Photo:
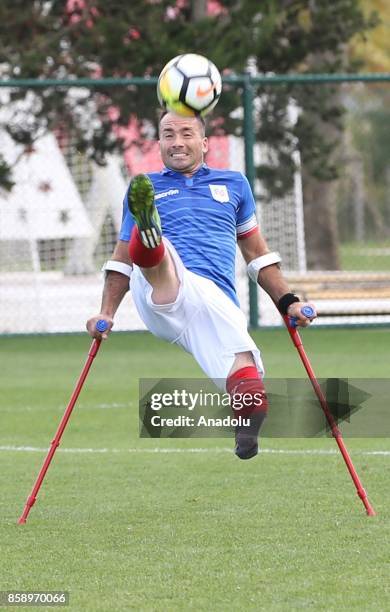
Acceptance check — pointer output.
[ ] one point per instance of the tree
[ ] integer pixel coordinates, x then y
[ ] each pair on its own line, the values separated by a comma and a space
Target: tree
96, 38
367, 135
372, 50
306, 36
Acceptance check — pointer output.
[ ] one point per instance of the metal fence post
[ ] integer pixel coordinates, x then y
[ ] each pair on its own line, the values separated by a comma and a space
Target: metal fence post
249, 141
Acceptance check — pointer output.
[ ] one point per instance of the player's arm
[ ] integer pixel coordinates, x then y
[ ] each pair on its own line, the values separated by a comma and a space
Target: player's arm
263, 267
116, 285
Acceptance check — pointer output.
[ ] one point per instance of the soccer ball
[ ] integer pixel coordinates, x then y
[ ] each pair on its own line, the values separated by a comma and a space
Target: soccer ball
189, 85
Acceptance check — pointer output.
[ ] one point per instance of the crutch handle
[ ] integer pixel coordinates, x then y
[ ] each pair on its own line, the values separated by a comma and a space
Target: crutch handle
101, 325
307, 311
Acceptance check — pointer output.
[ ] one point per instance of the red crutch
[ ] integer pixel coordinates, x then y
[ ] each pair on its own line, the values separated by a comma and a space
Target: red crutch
290, 324
57, 438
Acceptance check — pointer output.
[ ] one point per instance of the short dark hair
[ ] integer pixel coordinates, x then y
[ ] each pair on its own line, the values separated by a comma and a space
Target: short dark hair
198, 117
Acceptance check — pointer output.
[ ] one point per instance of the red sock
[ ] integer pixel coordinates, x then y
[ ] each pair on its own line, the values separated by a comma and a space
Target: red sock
247, 391
141, 255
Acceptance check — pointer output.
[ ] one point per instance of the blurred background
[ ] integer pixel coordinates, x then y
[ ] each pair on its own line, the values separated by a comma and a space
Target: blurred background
304, 113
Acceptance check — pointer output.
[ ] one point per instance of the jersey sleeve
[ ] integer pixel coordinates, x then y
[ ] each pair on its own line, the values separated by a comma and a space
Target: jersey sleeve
246, 213
127, 222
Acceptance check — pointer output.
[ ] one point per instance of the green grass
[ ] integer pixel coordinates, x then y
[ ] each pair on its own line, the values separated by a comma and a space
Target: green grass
369, 256
145, 530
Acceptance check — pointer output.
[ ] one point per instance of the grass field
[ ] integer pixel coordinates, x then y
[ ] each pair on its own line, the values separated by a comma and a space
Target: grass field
168, 525
368, 256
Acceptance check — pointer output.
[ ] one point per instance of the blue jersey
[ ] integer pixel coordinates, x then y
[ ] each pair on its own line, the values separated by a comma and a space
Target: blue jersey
203, 216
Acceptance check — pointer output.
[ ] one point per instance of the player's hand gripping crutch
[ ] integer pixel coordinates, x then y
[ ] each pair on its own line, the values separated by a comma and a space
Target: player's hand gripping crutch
101, 326
308, 311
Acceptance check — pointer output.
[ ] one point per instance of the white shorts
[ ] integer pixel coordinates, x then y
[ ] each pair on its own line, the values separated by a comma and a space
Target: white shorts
202, 320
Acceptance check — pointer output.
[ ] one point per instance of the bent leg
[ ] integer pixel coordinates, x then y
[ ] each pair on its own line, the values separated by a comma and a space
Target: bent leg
146, 248
164, 280
157, 266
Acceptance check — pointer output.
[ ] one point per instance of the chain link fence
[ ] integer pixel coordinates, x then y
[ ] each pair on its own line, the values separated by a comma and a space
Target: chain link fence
61, 220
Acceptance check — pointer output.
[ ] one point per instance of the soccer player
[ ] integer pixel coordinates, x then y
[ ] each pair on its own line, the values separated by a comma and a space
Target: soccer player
178, 242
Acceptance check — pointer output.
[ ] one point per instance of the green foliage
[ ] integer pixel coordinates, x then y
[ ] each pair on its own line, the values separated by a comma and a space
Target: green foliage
43, 39
301, 36
368, 135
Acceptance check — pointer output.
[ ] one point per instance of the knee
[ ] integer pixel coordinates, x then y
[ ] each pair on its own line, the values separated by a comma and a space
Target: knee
164, 280
164, 295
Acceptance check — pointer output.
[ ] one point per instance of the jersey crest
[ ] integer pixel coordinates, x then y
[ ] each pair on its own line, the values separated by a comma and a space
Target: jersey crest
219, 193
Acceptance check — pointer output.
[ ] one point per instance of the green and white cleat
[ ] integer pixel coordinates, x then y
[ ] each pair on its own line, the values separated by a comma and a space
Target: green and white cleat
140, 199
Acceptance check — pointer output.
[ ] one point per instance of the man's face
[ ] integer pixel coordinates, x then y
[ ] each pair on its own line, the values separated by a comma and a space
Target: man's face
182, 143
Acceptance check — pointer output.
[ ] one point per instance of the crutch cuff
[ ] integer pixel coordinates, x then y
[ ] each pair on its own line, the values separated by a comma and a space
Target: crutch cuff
117, 266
